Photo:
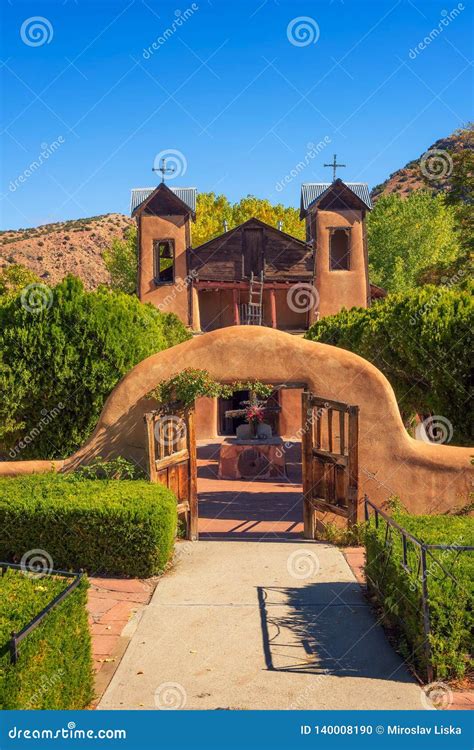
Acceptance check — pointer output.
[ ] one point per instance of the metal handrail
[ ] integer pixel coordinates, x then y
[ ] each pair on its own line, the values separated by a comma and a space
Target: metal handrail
424, 550
16, 638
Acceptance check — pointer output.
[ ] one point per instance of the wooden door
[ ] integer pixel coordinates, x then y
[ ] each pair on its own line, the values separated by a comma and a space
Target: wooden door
252, 252
330, 460
171, 448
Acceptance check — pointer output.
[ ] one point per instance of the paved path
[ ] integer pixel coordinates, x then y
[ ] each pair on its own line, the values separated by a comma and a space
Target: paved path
260, 625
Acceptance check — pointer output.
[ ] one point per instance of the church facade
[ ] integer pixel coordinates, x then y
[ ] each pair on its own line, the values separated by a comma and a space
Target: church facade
255, 273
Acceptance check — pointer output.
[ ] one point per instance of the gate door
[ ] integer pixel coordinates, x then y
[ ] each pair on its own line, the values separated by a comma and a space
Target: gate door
330, 460
171, 449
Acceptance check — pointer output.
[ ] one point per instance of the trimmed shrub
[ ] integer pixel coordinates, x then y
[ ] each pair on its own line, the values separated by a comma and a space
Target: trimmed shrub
450, 604
114, 527
62, 351
419, 340
54, 669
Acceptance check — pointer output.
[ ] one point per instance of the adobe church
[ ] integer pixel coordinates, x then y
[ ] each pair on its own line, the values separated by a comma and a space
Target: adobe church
255, 273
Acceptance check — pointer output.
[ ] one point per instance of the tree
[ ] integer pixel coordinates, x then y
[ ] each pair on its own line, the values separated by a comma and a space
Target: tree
60, 361
211, 212
262, 209
419, 340
121, 261
407, 235
15, 278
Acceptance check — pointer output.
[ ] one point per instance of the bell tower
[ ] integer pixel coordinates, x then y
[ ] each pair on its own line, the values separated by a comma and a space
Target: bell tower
163, 217
335, 216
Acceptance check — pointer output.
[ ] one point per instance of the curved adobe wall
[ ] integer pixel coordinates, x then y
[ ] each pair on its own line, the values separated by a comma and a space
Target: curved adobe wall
428, 478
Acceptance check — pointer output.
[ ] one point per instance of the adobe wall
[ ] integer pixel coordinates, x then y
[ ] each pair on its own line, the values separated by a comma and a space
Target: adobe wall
338, 289
166, 297
428, 478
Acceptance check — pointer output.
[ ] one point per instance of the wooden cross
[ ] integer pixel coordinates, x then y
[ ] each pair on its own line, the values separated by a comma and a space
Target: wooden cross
163, 169
334, 166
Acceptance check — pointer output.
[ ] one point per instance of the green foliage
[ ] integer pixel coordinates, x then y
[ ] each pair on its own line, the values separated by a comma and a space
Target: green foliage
400, 592
192, 383
343, 537
113, 527
121, 262
54, 669
14, 278
419, 341
59, 364
407, 235
115, 468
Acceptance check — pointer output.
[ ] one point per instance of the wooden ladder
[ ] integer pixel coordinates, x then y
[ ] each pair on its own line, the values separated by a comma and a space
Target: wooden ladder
254, 310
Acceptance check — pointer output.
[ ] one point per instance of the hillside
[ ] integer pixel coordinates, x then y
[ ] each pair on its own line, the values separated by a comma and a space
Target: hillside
432, 174
54, 250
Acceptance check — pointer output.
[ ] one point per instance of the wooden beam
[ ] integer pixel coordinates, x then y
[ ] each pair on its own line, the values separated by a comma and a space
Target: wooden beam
307, 460
235, 304
193, 493
353, 488
267, 285
150, 445
273, 308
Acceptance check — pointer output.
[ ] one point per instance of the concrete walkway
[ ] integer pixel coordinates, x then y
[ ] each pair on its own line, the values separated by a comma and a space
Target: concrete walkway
260, 625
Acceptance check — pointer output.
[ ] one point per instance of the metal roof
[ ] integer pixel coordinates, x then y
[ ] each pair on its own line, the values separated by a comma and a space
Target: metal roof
311, 191
187, 195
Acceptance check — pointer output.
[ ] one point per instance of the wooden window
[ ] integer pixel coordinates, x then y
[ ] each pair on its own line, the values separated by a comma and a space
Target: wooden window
340, 249
163, 261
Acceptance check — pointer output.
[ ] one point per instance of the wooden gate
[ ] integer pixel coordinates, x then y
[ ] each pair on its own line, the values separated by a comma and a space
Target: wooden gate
171, 449
330, 460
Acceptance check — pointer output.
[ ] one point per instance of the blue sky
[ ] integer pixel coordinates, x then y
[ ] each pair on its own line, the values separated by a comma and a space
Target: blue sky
238, 89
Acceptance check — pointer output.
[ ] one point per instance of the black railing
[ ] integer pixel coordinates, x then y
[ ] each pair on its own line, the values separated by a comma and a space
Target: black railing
422, 570
17, 638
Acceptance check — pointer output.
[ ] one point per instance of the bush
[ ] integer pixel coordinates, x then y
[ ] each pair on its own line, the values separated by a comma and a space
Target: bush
54, 669
60, 361
114, 527
450, 603
419, 341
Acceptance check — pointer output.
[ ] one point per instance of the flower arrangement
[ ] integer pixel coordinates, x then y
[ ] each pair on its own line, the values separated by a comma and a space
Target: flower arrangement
254, 414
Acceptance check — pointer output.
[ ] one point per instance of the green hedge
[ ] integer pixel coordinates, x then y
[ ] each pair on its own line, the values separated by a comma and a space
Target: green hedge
419, 341
59, 361
54, 669
115, 527
451, 604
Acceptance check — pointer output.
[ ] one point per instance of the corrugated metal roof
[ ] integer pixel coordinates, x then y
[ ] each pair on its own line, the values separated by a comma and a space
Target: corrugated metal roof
310, 191
187, 195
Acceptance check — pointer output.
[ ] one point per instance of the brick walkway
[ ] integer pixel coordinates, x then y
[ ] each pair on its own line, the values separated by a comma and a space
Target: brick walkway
112, 603
248, 509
